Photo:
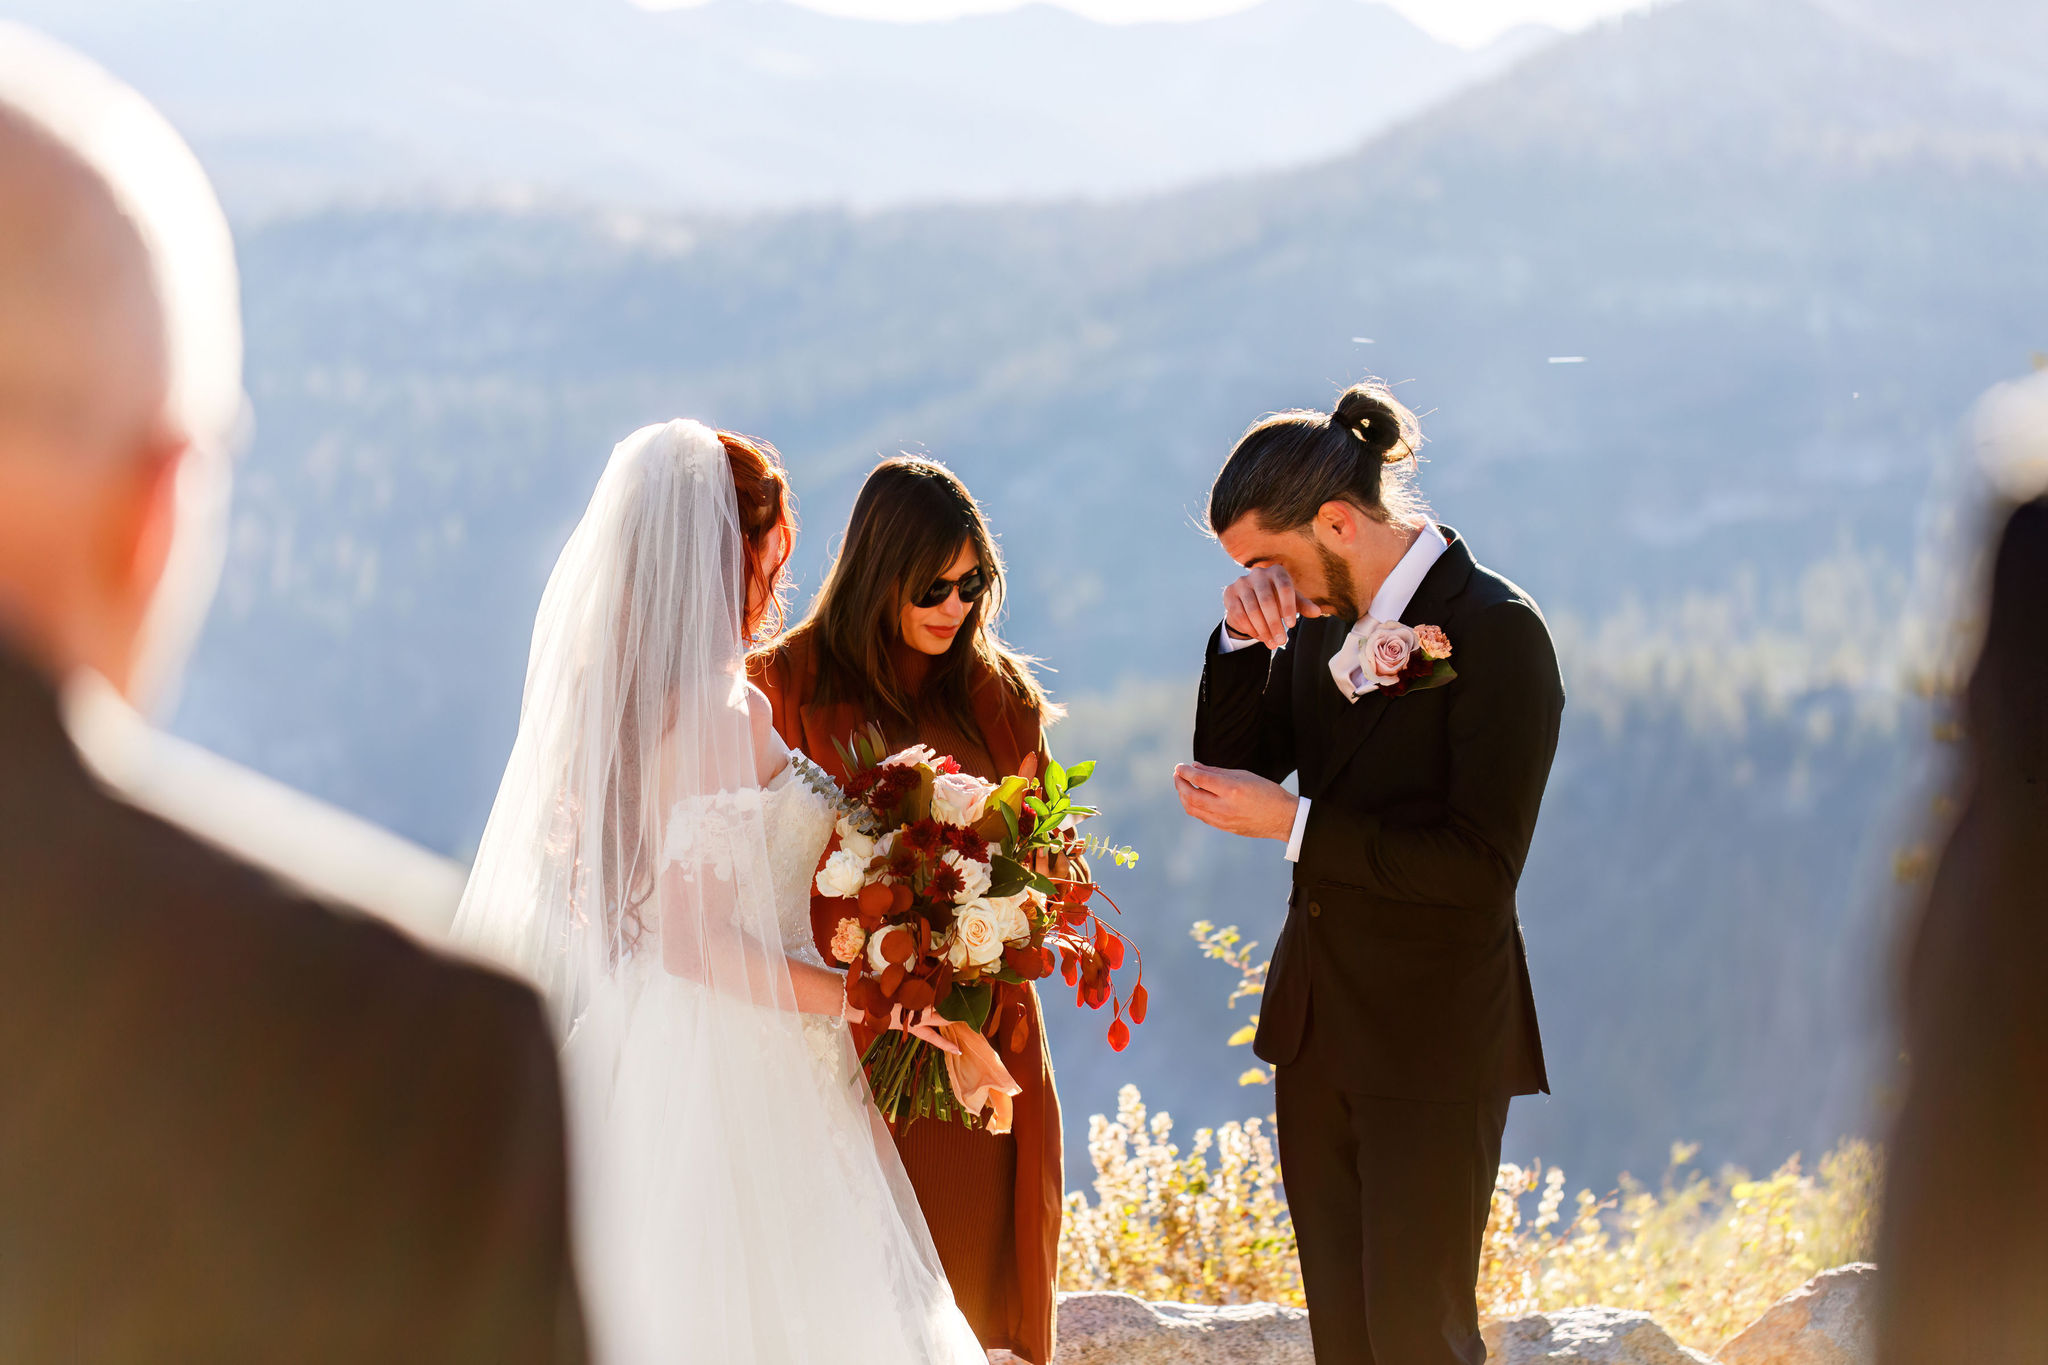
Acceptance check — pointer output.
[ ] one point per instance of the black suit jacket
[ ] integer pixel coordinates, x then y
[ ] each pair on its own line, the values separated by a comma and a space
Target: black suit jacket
239, 1126
1402, 943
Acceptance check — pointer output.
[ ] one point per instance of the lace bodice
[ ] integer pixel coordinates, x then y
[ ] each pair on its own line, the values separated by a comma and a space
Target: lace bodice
798, 815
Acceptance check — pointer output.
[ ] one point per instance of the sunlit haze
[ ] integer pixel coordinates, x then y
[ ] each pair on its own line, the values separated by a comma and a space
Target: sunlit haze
1465, 22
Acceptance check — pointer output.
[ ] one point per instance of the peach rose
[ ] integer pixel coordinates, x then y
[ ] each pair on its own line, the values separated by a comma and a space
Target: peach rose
848, 940
977, 938
1433, 643
1384, 651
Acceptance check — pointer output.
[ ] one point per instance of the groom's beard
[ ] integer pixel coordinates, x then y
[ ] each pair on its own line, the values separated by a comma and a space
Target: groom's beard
1340, 591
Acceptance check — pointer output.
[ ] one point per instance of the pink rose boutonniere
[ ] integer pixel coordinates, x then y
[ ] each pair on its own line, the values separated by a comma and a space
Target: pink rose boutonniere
1404, 659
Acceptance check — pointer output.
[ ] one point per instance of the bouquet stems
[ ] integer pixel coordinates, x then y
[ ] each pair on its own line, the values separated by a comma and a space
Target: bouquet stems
909, 1081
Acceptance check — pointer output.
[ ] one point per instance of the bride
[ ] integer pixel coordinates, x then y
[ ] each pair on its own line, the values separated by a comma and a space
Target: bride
648, 862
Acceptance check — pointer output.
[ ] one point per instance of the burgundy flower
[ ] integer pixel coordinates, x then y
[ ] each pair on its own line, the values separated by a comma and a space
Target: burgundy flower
923, 836
946, 882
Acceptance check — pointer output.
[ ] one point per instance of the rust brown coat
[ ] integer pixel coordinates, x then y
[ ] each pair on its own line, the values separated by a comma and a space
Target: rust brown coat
1011, 731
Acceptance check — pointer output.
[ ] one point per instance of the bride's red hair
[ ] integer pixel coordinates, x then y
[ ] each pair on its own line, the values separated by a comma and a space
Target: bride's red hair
767, 517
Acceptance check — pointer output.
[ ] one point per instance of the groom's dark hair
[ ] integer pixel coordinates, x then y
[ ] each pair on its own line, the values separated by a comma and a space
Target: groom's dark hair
1287, 465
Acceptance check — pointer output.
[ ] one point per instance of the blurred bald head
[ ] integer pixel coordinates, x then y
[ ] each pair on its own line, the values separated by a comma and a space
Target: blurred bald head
120, 371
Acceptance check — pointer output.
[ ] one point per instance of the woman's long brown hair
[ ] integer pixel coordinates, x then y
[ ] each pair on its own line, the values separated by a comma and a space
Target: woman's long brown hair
910, 520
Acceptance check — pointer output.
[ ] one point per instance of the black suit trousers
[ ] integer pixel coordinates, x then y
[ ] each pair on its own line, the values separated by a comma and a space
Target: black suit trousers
1389, 1199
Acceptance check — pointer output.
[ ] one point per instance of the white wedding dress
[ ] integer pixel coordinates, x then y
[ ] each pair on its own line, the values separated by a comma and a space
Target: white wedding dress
736, 1198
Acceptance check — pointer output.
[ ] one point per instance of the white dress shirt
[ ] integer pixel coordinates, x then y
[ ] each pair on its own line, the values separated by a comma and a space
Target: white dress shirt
1388, 603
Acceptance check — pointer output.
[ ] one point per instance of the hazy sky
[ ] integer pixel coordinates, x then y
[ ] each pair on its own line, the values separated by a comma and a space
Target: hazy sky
1458, 21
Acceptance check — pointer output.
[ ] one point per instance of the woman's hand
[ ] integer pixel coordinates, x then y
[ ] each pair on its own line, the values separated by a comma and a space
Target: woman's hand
1052, 863
922, 1027
919, 1026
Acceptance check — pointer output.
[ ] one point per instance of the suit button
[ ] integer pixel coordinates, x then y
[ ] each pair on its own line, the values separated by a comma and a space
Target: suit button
1315, 911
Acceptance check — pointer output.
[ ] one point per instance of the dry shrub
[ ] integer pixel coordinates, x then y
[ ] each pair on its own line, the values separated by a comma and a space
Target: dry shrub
1209, 1226
1704, 1255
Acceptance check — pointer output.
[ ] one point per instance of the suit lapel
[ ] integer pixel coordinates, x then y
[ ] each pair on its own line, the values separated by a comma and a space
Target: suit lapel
1350, 724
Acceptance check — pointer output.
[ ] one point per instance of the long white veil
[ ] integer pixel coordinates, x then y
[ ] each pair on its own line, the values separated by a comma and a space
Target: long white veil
633, 728
720, 1146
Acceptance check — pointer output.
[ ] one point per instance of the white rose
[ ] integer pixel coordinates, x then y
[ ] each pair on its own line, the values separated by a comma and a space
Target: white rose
843, 874
1012, 919
974, 876
876, 962
852, 840
960, 799
977, 942
914, 755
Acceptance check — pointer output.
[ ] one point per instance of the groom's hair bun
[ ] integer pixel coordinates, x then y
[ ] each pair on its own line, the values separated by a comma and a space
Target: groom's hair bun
1384, 430
1288, 465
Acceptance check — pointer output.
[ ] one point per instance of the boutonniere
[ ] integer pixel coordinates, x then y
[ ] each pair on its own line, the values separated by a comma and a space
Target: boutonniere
1404, 659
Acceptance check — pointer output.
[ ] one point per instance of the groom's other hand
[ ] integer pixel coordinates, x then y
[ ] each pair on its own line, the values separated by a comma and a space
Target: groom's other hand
1263, 606
1235, 801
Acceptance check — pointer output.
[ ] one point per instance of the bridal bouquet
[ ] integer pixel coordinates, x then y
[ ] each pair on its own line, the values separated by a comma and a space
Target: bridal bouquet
939, 872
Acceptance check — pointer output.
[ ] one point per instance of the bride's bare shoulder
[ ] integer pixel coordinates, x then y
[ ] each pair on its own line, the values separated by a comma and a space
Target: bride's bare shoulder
771, 755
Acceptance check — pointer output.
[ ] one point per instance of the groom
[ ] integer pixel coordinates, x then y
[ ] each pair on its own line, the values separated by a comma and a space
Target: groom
1398, 1014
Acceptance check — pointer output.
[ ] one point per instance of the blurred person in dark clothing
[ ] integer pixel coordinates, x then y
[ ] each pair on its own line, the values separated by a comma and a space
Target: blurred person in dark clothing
235, 1124
1964, 1248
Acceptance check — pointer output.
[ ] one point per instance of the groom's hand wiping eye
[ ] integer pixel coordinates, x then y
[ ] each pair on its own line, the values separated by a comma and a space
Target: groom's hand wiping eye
1263, 606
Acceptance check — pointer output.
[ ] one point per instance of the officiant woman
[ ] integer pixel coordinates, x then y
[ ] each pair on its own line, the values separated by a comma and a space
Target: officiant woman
903, 634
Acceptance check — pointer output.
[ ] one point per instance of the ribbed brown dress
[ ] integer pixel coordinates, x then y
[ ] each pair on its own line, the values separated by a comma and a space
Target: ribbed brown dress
993, 1203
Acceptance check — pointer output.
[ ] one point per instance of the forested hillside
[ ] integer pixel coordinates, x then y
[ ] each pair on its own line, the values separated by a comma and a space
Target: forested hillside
1778, 254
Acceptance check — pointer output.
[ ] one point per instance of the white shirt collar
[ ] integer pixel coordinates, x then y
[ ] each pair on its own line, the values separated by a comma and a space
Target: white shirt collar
1399, 588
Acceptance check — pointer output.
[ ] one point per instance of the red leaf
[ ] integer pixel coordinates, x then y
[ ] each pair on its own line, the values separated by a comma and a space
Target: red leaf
1119, 1035
1138, 1000
1028, 963
1113, 950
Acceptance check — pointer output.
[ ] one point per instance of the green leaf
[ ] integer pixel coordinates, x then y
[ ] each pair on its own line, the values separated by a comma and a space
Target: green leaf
1044, 883
1055, 779
1006, 876
1080, 773
968, 1005
1003, 974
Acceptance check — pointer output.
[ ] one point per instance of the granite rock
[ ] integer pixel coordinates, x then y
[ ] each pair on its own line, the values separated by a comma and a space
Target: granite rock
1590, 1336
1119, 1329
1826, 1321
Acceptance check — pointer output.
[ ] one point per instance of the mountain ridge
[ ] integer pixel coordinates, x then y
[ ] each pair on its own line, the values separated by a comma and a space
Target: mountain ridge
1778, 342
745, 104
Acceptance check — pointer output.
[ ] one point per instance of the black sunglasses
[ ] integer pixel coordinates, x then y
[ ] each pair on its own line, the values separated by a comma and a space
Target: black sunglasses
971, 584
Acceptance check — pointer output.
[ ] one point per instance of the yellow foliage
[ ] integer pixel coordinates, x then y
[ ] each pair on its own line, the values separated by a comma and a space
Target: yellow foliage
1704, 1255
1245, 1034
1170, 1226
